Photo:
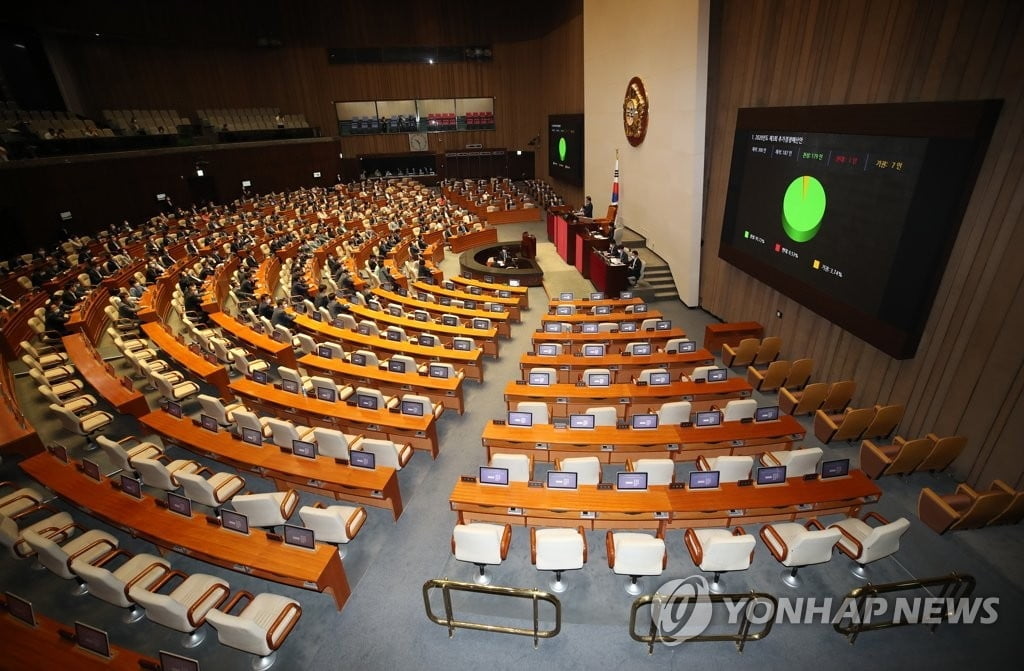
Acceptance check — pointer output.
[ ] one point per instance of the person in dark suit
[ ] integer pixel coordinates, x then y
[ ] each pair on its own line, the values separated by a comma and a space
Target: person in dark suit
588, 208
635, 267
280, 316
55, 319
321, 297
266, 308
422, 271
191, 249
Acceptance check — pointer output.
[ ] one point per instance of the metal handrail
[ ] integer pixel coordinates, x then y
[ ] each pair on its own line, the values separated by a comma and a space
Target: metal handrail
668, 600
447, 586
954, 586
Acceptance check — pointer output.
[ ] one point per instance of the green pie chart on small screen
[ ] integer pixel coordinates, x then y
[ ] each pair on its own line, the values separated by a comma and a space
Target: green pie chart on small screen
561, 149
803, 208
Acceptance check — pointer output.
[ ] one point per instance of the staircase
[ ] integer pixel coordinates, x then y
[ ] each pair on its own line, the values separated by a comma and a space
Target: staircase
657, 284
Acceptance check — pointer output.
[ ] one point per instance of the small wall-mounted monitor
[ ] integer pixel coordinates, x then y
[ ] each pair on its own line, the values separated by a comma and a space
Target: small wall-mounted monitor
593, 350
252, 436
631, 481
327, 394
361, 459
316, 174
645, 421
161, 196
299, 537
233, 521
290, 386
414, 408
542, 379
366, 401
771, 475
581, 421
493, 476
704, 479
837, 468
660, 379
709, 418
516, 418
65, 216
599, 379
562, 480
718, 374
179, 504
437, 370
766, 414
208, 423
304, 448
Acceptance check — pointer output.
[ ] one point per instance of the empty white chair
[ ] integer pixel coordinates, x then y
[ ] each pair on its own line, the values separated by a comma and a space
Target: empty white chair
369, 357
408, 361
864, 543
66, 389
160, 471
56, 549
538, 409
520, 466
587, 469
267, 509
701, 372
401, 335
333, 524
798, 463
175, 391
648, 324
370, 327
675, 344
325, 383
333, 443
564, 309
659, 471
387, 453
646, 373
48, 357
604, 416
18, 500
303, 382
261, 627
730, 468
242, 364
558, 550
382, 400
186, 606
110, 584
214, 407
76, 404
673, 413
469, 344
795, 545
719, 550
635, 554
12, 537
120, 454
213, 491
247, 419
481, 543
284, 433
739, 409
427, 407
87, 425
346, 321
304, 343
595, 371
337, 351
52, 375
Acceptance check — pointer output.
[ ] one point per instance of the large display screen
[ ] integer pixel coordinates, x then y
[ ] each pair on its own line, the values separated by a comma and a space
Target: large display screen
565, 148
853, 210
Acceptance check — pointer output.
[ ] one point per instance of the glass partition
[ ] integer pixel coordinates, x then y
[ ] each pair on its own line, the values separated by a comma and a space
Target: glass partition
367, 117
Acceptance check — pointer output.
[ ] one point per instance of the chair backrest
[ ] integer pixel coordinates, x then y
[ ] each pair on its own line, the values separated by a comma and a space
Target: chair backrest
673, 412
659, 471
426, 405
770, 379
565, 308
479, 543
731, 468
884, 422
646, 373
638, 554
883, 540
596, 371
701, 372
839, 396
944, 451
375, 393
604, 415
808, 400
538, 409
812, 547
853, 423
68, 420
110, 585
410, 363
385, 452
197, 488
115, 453
402, 337
768, 351
520, 466
909, 457
154, 474
163, 385
331, 442
800, 462
648, 324
551, 372
726, 552
587, 469
985, 507
214, 408
799, 374
673, 345
558, 549
371, 358
743, 354
1014, 510
371, 327
282, 432
739, 409
48, 553
291, 375
306, 343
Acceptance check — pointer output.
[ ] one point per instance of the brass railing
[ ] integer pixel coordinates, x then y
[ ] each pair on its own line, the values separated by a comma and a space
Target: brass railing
664, 601
449, 621
954, 586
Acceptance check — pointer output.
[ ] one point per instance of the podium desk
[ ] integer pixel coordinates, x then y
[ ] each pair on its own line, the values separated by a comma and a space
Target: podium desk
660, 507
319, 569
263, 344
420, 432
323, 476
628, 399
545, 442
608, 277
446, 391
624, 368
382, 347
616, 340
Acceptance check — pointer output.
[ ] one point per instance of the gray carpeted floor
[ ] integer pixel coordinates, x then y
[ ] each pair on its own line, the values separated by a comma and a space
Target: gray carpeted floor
383, 626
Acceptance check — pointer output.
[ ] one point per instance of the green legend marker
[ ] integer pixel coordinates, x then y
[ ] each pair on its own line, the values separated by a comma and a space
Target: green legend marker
561, 149
803, 207
746, 234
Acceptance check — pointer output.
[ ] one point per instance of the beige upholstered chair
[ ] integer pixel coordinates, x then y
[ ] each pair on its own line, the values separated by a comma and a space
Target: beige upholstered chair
109, 583
899, 458
333, 524
741, 355
185, 607
943, 453
659, 471
798, 462
558, 550
520, 466
804, 401
636, 554
720, 550
730, 468
795, 545
771, 378
267, 509
963, 509
260, 628
214, 491
481, 543
864, 543
847, 426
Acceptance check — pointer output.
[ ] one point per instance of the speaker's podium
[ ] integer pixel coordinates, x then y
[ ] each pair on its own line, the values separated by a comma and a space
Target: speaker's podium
528, 246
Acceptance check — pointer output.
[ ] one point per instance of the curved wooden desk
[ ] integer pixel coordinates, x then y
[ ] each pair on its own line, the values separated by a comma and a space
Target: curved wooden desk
468, 361
263, 344
511, 303
486, 338
659, 506
120, 393
588, 318
473, 263
446, 391
378, 488
211, 373
522, 293
616, 341
500, 320
624, 367
628, 399
420, 432
544, 442
486, 236
320, 569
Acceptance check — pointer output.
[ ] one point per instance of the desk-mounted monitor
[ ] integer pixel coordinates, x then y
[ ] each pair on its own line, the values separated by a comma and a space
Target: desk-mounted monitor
645, 421
769, 413
582, 421
20, 609
91, 469
425, 340
173, 409
299, 537
476, 291
364, 329
421, 316
361, 459
663, 325
252, 436
324, 351
504, 293
487, 278
564, 310
836, 468
593, 350
497, 307
547, 349
718, 374
92, 639
542, 379
481, 324
493, 476
131, 486
597, 295
709, 418
437, 370
660, 379
208, 423
358, 359
445, 300
393, 335
179, 504
641, 349
516, 418
233, 521
327, 394
449, 320
414, 408
603, 310
627, 327
625, 295
562, 480
449, 285
590, 328
469, 304
771, 475
703, 479
304, 448
565, 296
599, 379
631, 481
462, 344
687, 347
290, 386
396, 366
260, 377
513, 283
366, 401
171, 662
640, 308
552, 327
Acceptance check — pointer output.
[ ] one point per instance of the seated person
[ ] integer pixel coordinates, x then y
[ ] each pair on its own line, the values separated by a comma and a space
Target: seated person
280, 316
635, 267
55, 319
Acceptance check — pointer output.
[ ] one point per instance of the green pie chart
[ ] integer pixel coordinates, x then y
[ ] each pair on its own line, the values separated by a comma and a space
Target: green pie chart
561, 149
803, 207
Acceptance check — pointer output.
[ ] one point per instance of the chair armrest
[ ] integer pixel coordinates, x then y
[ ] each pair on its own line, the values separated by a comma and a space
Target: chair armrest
702, 463
356, 522
584, 536
769, 459
213, 590
109, 556
694, 546
899, 440
533, 545
875, 516
609, 545
288, 503
223, 485
935, 512
203, 470
774, 542
405, 454
166, 574
274, 642
89, 548
739, 531
966, 490
814, 523
1000, 486
506, 540
230, 605
846, 536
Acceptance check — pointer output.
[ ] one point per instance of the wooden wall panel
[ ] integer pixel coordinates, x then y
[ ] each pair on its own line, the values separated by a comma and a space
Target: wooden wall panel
966, 375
